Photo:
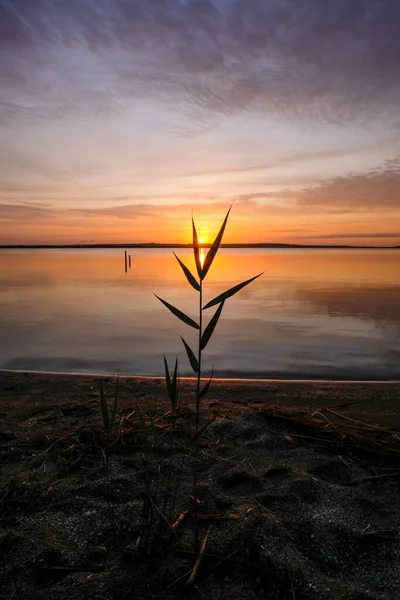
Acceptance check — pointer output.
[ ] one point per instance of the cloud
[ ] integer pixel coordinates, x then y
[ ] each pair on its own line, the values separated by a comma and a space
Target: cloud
41, 210
376, 190
206, 59
126, 211
24, 212
148, 210
340, 236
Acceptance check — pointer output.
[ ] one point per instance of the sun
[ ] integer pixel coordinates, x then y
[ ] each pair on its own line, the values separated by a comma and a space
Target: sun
201, 240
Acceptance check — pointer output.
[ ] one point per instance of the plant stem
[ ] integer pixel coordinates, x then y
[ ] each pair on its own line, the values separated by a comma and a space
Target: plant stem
199, 355
196, 529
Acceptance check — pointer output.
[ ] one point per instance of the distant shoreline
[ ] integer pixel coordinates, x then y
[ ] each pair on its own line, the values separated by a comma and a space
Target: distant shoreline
256, 378
158, 246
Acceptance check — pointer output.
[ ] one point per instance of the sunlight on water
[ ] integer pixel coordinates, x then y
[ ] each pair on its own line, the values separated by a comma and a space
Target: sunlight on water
314, 313
202, 256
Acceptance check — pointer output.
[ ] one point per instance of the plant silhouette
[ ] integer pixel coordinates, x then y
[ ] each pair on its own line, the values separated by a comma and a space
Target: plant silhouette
204, 334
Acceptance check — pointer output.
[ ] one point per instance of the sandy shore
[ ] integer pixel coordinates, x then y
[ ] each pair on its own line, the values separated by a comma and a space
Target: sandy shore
298, 490
379, 401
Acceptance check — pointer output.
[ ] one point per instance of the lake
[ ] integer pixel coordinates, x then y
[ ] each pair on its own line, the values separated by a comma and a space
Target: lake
314, 313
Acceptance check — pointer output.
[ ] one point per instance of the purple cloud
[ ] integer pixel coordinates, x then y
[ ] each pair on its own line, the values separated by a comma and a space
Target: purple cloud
376, 190
309, 60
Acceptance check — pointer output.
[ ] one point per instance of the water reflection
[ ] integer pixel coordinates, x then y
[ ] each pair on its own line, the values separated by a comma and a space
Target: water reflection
380, 304
313, 313
202, 256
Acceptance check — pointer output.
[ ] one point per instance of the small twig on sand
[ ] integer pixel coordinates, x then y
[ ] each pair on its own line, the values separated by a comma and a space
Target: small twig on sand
342, 435
377, 427
54, 443
195, 569
383, 476
343, 404
226, 558
179, 579
179, 520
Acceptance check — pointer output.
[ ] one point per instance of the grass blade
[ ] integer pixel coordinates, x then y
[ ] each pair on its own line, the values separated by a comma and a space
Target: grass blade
192, 359
214, 248
200, 432
104, 408
211, 326
167, 376
205, 388
191, 279
142, 422
178, 313
196, 250
153, 429
115, 405
231, 292
174, 386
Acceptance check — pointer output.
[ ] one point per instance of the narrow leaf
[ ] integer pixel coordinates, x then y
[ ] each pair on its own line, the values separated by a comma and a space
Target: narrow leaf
196, 250
205, 388
167, 376
191, 279
153, 429
174, 384
231, 292
200, 432
192, 359
104, 407
115, 405
142, 423
178, 313
214, 248
211, 326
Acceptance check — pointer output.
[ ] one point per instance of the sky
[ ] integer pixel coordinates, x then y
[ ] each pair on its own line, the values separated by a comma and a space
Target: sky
118, 118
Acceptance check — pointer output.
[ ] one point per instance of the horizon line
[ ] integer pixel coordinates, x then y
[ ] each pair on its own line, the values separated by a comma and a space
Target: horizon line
150, 245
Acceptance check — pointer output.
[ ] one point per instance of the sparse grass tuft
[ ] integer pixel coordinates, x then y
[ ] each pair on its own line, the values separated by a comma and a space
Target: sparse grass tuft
108, 414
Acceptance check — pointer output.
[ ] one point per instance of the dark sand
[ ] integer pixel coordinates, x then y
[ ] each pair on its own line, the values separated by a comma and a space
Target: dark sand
299, 500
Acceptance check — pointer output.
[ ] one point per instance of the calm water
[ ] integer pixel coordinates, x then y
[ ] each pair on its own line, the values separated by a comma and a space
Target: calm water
314, 313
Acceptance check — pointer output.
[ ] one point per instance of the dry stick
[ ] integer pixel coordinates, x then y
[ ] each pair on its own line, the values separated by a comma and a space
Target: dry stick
128, 416
384, 476
193, 575
360, 425
54, 443
4, 496
366, 428
359, 422
330, 423
159, 512
226, 558
344, 461
71, 569
179, 579
343, 404
180, 519
349, 437
162, 416
309, 437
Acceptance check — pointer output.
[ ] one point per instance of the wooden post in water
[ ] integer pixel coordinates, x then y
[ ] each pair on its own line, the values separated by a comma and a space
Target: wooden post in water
129, 257
126, 262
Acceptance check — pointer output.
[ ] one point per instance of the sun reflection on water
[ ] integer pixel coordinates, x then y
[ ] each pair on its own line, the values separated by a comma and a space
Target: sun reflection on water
202, 256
